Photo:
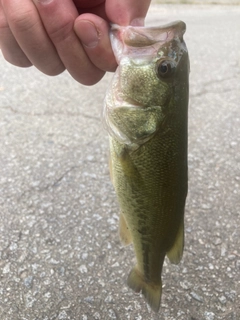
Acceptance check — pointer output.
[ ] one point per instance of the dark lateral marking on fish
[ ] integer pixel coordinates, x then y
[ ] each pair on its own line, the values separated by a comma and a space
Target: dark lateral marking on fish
143, 230
145, 250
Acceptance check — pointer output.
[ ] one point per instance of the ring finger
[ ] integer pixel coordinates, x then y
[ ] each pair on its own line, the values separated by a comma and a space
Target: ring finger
26, 26
9, 46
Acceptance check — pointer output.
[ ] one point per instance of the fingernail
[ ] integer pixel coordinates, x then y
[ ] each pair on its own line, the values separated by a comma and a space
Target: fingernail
87, 32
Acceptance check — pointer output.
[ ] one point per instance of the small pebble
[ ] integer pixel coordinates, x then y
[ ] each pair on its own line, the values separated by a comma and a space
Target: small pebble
209, 315
28, 281
222, 299
83, 269
195, 296
62, 315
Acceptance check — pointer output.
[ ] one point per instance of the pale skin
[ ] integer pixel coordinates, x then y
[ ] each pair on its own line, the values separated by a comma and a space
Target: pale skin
54, 35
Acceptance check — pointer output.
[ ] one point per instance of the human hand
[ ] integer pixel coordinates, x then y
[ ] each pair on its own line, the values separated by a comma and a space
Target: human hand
54, 35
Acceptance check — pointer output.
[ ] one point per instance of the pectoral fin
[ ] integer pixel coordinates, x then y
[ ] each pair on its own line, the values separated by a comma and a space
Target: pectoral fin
128, 167
124, 232
176, 252
151, 292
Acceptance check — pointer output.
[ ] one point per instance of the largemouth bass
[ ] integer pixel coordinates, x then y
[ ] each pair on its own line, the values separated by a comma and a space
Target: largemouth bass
145, 113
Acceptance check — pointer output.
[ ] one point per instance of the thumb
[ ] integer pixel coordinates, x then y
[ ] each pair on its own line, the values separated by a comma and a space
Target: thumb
125, 12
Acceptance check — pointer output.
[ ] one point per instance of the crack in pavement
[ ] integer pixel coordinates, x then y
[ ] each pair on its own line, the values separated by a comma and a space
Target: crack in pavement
70, 114
49, 185
205, 91
212, 82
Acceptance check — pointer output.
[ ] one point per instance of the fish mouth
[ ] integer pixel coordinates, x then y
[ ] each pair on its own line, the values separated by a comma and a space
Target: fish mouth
129, 38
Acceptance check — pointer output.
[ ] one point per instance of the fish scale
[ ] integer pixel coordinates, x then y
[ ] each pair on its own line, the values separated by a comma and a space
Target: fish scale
145, 114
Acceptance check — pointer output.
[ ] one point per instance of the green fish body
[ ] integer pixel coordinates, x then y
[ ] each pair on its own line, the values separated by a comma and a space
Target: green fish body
146, 116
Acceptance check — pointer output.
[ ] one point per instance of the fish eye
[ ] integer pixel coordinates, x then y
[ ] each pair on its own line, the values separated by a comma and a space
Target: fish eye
165, 68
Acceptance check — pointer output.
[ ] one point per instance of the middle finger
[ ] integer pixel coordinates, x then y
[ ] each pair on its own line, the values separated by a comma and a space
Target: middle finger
58, 18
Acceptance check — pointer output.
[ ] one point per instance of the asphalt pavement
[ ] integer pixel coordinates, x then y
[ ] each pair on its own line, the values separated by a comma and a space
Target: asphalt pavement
60, 255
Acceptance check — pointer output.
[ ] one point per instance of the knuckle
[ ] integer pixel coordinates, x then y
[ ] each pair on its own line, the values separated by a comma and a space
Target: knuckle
3, 22
60, 33
22, 22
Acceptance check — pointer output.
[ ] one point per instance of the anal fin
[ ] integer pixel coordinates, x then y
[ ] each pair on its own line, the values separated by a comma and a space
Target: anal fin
151, 292
124, 232
176, 252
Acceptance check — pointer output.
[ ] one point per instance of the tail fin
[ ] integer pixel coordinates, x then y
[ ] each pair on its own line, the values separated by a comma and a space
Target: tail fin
150, 291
